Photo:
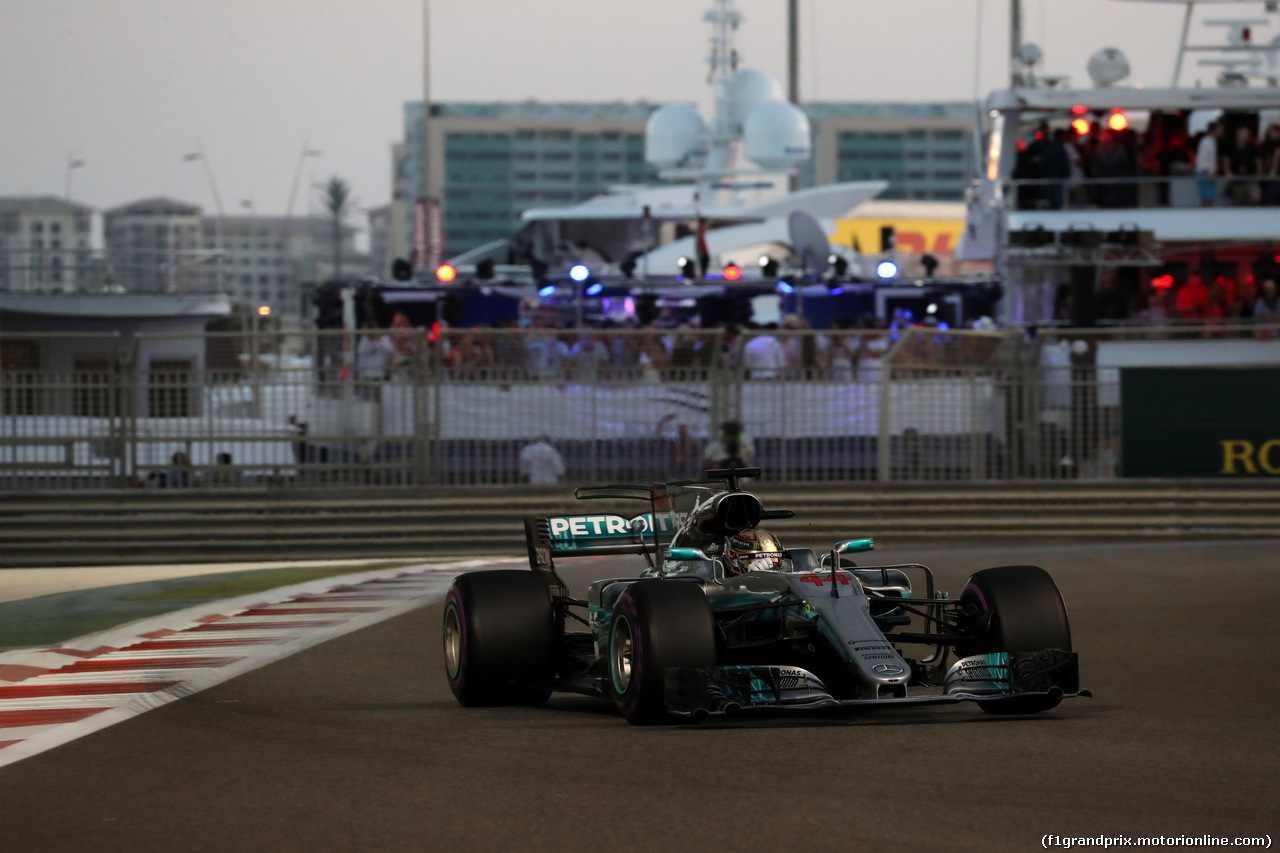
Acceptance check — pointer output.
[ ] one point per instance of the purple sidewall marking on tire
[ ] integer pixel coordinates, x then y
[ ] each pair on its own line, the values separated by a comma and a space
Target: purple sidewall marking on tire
977, 592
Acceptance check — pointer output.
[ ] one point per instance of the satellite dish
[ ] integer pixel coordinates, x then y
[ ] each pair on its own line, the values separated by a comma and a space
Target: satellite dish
1030, 54
675, 135
776, 135
1108, 67
809, 242
749, 88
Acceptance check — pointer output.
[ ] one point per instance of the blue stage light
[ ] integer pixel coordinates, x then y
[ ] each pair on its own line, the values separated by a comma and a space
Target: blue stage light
887, 269
579, 272
786, 287
549, 290
595, 289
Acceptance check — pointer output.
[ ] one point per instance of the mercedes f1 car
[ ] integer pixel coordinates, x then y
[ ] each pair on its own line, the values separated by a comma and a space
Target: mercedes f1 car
692, 637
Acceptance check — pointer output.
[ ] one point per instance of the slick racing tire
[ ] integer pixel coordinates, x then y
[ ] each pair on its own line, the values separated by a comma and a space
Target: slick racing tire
499, 635
1013, 609
656, 624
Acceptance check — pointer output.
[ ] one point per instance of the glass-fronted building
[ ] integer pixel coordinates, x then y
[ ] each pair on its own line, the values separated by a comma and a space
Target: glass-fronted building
925, 150
488, 162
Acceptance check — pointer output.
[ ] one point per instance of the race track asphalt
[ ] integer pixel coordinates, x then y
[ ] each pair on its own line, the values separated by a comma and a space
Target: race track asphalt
357, 744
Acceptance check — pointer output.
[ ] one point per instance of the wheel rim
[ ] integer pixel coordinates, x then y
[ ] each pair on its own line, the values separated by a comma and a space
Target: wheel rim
452, 642
620, 654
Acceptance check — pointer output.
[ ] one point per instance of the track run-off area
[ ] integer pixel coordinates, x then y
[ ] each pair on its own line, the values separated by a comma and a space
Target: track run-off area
357, 744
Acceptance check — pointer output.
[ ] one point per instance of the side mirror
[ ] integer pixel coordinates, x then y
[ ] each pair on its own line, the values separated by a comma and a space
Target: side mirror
853, 546
683, 554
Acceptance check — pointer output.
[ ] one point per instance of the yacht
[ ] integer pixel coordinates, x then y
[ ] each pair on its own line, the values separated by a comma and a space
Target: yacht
730, 177
1141, 224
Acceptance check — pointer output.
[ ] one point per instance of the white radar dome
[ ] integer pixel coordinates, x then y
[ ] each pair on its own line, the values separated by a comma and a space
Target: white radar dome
748, 88
675, 136
776, 135
1108, 67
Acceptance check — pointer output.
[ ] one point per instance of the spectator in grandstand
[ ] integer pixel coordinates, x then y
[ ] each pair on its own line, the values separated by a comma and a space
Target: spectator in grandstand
731, 449
508, 347
1056, 165
1271, 165
540, 463
1207, 164
874, 347
591, 357
684, 448
1241, 161
1192, 298
179, 474
546, 353
652, 359
689, 350
1112, 160
374, 356
404, 338
842, 352
471, 357
763, 357
224, 474
731, 347
1266, 308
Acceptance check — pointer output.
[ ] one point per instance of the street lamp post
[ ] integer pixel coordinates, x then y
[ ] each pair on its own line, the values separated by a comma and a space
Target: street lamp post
72, 165
297, 175
199, 154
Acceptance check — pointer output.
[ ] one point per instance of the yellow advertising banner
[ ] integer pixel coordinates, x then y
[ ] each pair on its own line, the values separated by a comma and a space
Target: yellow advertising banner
938, 237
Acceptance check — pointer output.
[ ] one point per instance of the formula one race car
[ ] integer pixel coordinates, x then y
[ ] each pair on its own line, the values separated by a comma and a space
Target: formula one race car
710, 628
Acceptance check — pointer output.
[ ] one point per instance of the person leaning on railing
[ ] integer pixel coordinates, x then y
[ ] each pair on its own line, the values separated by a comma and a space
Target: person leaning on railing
1271, 165
1241, 161
1207, 163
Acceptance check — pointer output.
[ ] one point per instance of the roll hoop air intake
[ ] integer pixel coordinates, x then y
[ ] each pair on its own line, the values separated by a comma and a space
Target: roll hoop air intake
727, 514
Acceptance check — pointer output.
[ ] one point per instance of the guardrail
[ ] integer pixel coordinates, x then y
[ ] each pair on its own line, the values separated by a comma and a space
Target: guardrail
322, 410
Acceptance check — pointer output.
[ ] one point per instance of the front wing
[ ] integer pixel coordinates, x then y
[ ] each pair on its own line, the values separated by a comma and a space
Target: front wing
992, 679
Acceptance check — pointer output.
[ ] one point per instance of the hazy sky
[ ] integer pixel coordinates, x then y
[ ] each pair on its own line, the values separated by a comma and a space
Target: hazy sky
130, 85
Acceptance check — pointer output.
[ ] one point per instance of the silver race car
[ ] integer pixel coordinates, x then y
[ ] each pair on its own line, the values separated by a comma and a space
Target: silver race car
726, 621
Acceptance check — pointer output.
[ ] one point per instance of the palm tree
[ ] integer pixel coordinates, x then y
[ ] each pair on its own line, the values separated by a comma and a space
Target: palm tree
337, 201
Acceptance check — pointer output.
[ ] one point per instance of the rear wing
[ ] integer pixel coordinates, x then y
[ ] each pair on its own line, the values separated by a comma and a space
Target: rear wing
600, 535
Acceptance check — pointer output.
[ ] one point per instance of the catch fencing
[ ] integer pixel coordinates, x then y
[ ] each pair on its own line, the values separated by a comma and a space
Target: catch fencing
320, 410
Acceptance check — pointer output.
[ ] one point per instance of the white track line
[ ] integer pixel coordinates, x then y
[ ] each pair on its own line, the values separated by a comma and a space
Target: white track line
45, 694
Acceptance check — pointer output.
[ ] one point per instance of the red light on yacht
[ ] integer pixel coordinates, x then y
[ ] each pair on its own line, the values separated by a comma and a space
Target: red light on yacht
1079, 109
446, 273
732, 272
1080, 126
1117, 121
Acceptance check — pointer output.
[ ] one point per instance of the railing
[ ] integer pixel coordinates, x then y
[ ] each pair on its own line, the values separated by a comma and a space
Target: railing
340, 410
1143, 191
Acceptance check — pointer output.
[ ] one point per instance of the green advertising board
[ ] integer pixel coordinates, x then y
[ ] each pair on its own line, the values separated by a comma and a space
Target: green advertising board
1200, 422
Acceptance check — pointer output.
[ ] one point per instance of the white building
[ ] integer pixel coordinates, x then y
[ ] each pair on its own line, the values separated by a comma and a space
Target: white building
44, 244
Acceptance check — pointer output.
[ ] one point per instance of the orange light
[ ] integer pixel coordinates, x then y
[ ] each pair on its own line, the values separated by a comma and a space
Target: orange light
264, 310
1080, 126
1117, 121
1079, 109
732, 272
446, 273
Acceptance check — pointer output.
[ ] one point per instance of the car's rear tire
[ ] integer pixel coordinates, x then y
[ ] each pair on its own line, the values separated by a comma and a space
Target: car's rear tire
499, 637
1014, 609
656, 624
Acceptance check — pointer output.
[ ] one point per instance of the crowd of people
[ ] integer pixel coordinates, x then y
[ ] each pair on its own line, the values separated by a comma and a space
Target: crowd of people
1213, 299
765, 351
1064, 167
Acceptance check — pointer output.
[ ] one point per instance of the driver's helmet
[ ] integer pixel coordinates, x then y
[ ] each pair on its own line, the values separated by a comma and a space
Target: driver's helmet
752, 550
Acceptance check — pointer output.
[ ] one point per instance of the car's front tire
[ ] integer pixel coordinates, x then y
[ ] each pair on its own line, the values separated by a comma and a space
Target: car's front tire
1014, 609
656, 624
499, 636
